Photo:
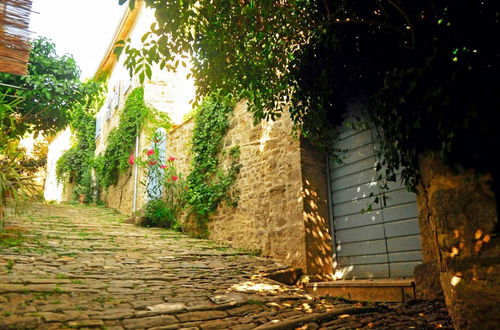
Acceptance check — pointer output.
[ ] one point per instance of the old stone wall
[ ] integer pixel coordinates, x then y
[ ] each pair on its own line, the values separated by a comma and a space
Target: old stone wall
318, 235
120, 195
270, 216
457, 215
282, 206
179, 146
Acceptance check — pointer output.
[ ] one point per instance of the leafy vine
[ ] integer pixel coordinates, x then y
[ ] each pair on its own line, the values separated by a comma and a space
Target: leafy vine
208, 184
121, 139
75, 165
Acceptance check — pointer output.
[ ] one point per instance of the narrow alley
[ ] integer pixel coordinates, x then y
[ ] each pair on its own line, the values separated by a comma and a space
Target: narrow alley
82, 267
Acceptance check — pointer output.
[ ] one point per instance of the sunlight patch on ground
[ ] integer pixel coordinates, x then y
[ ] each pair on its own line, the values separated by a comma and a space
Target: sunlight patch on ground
257, 287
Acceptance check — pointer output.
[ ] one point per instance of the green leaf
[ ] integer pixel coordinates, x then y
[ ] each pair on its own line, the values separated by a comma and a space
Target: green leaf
118, 51
149, 73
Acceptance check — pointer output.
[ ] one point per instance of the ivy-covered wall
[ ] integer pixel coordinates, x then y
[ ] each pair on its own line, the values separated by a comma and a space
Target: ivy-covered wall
114, 174
273, 213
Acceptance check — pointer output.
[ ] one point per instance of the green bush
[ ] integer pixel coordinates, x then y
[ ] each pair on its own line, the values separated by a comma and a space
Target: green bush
158, 214
15, 184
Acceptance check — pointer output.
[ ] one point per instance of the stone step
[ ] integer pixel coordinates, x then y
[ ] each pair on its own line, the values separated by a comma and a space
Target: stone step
379, 290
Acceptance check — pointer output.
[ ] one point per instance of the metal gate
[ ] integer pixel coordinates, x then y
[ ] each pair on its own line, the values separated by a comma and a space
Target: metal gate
382, 243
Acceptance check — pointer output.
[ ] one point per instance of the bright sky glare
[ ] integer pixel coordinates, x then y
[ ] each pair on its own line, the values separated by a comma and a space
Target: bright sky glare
82, 28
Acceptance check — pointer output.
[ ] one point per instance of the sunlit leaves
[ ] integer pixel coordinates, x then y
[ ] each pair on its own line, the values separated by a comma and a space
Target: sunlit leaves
50, 90
234, 45
417, 66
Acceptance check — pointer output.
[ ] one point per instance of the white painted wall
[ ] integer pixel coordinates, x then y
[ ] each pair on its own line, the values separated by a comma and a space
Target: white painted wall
53, 191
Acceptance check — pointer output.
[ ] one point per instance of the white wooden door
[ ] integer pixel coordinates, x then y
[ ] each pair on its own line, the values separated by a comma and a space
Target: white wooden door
382, 243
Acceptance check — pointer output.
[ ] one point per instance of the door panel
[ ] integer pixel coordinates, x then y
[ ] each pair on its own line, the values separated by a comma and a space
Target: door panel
382, 243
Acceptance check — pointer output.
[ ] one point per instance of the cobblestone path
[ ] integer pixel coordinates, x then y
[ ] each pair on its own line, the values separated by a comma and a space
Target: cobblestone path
67, 266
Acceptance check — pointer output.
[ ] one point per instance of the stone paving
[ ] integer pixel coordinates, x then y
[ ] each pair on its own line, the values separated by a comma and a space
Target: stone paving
64, 266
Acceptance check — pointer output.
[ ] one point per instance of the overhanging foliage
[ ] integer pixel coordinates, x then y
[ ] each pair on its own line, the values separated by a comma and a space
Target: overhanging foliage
51, 88
425, 69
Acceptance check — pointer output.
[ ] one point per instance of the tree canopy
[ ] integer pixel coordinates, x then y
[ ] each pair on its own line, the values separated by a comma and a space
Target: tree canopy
426, 71
51, 88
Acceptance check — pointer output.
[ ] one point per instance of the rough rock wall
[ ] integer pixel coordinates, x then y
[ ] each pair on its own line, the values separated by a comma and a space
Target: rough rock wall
457, 215
269, 212
319, 257
179, 146
269, 215
120, 196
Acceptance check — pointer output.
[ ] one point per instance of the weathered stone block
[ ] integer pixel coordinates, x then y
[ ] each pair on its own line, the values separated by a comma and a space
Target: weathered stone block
243, 310
146, 322
457, 212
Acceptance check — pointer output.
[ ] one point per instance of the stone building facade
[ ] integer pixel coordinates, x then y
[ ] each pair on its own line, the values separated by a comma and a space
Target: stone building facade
166, 91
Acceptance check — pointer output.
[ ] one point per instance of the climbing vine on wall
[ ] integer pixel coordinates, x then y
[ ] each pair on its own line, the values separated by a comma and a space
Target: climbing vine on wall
209, 184
121, 140
75, 165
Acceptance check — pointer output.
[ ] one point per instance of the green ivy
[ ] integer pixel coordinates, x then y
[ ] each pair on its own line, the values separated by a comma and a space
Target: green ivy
121, 140
75, 165
209, 184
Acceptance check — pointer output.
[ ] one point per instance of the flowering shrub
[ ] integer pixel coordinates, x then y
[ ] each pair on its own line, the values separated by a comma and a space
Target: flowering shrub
163, 185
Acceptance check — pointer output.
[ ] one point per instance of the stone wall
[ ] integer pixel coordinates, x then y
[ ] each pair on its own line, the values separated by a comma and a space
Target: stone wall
179, 146
282, 209
457, 215
120, 195
268, 217
318, 235
282, 189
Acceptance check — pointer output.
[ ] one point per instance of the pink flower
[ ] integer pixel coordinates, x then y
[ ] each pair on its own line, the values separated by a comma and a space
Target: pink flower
171, 159
150, 152
153, 162
163, 166
131, 159
175, 178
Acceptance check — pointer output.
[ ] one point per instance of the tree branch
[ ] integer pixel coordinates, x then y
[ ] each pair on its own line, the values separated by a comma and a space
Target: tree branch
406, 18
